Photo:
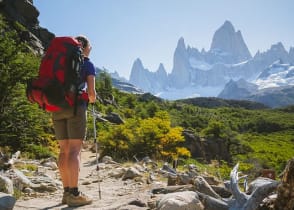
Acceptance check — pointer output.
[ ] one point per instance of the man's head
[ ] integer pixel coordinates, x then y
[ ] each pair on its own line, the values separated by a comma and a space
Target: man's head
83, 40
85, 44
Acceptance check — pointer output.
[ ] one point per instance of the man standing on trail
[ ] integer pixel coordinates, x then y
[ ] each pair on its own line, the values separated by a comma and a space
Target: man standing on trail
70, 130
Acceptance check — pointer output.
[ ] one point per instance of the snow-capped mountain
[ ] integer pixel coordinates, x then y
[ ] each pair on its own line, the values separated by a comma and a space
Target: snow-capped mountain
273, 87
146, 80
276, 75
120, 83
205, 73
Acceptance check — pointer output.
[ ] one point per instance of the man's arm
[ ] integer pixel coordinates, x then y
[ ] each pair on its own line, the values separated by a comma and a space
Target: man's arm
91, 88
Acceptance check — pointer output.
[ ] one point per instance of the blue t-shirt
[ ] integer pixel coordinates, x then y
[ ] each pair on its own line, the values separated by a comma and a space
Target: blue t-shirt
87, 69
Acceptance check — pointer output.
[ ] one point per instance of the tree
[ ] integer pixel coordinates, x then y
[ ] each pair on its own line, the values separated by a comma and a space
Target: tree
152, 108
215, 129
21, 123
151, 136
104, 85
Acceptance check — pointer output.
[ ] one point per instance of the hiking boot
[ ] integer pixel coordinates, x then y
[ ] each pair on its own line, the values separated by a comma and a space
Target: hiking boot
78, 200
64, 197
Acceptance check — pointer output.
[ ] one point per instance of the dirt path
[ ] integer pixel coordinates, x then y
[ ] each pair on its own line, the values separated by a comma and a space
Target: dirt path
115, 193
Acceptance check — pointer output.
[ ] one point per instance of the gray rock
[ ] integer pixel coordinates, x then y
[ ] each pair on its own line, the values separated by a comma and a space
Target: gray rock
106, 159
117, 173
28, 190
21, 179
259, 182
187, 200
114, 118
168, 169
184, 179
6, 185
51, 164
203, 187
6, 201
131, 173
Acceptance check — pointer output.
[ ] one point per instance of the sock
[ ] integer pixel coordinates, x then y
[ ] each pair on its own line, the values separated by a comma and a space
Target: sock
74, 191
66, 189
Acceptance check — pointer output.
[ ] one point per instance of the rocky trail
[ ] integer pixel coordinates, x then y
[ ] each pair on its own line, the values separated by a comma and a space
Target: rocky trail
141, 185
115, 193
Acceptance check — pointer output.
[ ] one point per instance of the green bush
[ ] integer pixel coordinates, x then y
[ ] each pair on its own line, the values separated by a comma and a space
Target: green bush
38, 152
21, 123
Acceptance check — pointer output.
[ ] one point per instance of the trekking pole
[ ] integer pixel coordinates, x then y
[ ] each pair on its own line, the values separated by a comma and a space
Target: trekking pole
96, 149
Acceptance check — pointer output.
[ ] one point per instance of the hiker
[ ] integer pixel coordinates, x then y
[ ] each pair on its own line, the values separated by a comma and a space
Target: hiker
70, 131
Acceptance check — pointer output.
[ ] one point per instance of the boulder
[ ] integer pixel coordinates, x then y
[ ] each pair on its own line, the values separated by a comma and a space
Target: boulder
131, 173
6, 201
187, 200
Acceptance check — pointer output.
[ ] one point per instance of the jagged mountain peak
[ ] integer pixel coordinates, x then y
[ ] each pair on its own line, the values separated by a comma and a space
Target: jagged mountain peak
278, 46
226, 29
138, 63
161, 67
138, 60
161, 71
137, 71
181, 44
227, 26
230, 43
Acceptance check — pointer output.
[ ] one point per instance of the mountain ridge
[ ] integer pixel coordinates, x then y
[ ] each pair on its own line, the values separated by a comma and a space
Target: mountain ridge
205, 74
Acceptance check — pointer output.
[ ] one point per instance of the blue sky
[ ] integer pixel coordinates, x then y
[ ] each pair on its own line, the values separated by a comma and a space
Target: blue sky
121, 31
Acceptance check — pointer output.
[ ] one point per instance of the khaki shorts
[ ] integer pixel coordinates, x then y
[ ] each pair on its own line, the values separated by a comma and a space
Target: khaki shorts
70, 126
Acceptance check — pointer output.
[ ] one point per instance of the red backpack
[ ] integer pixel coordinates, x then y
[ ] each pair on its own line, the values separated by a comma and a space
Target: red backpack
58, 84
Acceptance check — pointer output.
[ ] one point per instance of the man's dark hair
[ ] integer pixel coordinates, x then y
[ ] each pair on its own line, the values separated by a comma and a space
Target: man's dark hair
83, 40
